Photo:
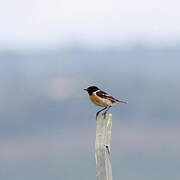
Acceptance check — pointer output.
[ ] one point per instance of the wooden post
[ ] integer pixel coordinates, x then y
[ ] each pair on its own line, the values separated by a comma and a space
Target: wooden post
102, 146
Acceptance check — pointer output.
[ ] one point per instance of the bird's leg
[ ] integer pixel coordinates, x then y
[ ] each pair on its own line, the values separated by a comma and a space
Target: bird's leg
100, 111
104, 114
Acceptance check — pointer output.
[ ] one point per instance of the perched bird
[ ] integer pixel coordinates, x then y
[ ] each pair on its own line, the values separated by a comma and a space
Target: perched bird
101, 98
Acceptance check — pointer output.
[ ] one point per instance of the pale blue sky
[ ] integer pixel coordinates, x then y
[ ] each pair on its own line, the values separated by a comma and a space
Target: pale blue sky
44, 23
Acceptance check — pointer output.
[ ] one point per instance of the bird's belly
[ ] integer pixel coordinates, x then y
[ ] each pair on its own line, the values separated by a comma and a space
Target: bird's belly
100, 101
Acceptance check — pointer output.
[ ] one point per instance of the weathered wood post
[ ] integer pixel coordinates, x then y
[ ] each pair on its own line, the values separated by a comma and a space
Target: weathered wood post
102, 146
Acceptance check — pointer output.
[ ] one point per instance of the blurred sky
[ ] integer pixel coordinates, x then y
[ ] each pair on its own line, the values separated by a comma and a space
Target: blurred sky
51, 50
45, 23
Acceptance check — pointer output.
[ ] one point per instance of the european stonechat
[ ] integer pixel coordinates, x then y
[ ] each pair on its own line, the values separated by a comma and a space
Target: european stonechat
101, 98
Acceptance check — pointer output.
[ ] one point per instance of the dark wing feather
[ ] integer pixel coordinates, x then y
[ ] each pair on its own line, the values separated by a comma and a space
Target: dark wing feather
103, 94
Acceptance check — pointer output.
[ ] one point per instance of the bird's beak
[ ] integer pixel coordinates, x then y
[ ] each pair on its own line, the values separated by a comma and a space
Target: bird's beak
85, 89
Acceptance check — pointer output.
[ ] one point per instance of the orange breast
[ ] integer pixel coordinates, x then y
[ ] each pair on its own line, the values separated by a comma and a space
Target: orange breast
96, 100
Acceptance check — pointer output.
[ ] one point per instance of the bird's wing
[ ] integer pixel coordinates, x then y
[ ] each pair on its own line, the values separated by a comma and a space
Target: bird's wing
103, 94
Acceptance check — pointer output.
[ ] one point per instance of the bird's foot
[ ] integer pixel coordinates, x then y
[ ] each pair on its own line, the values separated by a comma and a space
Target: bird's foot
104, 114
97, 115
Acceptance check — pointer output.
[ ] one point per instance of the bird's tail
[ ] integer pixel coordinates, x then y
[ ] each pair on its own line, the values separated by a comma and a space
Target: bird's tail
121, 101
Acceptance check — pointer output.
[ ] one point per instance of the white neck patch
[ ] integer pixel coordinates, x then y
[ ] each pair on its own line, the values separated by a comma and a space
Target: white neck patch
97, 90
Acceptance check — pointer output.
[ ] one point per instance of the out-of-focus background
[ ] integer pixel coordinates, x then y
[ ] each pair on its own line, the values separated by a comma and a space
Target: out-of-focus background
51, 49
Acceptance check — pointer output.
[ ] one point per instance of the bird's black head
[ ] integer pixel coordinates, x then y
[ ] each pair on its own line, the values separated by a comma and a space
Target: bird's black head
91, 89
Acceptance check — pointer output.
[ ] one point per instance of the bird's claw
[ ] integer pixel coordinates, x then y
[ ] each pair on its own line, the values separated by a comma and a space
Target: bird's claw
97, 115
104, 115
